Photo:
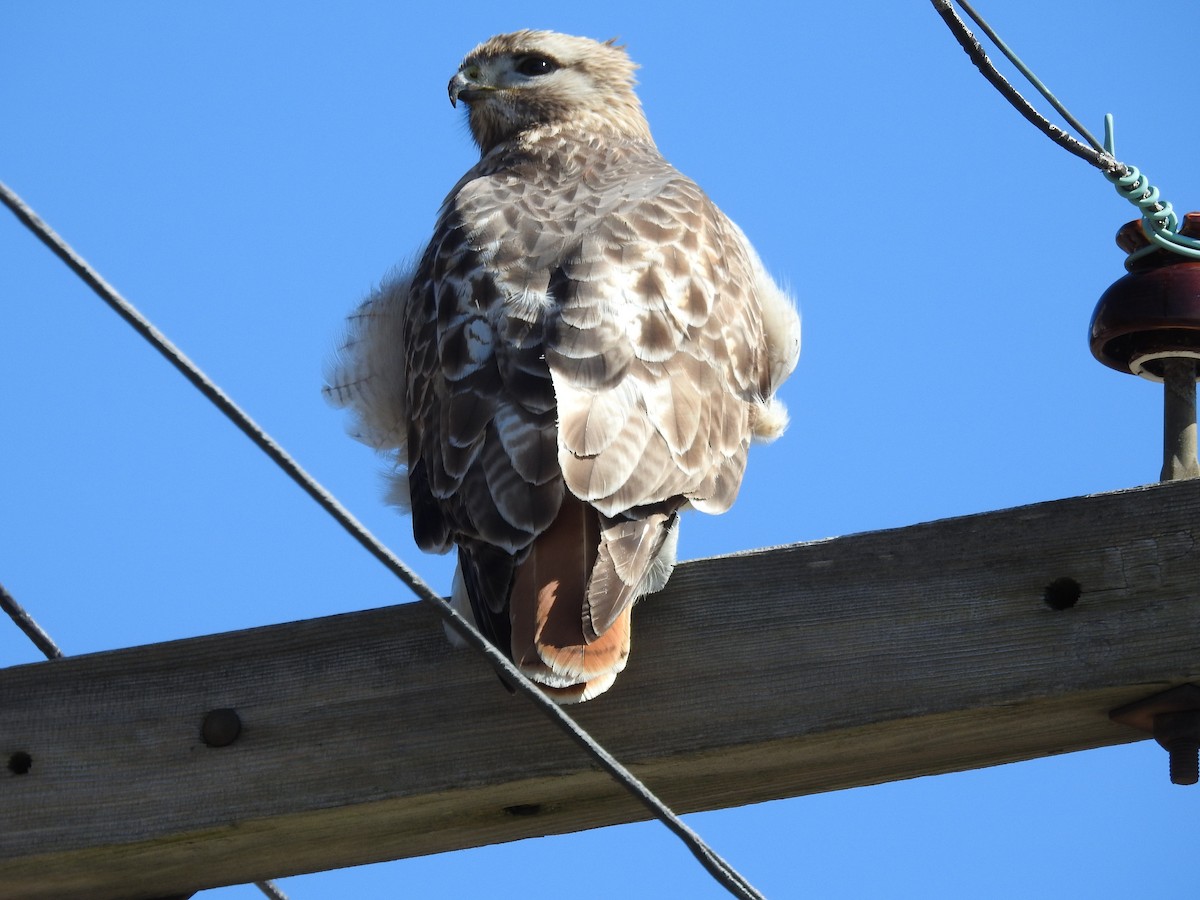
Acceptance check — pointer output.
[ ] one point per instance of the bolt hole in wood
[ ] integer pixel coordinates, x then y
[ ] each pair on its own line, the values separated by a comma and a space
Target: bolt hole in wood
20, 763
221, 727
1062, 593
524, 809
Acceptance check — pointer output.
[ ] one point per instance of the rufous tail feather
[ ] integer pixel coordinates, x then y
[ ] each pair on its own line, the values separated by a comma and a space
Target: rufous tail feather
546, 608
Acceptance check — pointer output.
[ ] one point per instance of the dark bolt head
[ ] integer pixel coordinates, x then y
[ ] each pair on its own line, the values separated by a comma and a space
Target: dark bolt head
221, 727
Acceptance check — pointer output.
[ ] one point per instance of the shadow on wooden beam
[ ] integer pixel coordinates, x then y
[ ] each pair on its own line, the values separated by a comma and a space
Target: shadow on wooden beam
783, 672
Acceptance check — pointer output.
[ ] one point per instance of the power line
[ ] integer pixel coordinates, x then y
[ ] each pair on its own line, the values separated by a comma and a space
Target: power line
720, 870
25, 622
270, 889
1094, 155
1160, 223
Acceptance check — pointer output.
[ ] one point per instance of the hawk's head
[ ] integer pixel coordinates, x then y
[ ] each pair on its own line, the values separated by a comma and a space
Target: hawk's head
515, 82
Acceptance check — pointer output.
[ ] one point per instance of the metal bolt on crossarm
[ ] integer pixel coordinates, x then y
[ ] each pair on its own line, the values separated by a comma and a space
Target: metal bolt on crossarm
1148, 323
1172, 717
1179, 734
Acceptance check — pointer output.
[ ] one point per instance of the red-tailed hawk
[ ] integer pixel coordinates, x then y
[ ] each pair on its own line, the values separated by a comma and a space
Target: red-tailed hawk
585, 349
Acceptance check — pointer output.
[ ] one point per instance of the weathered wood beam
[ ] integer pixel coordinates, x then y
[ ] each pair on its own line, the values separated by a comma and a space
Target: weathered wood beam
772, 674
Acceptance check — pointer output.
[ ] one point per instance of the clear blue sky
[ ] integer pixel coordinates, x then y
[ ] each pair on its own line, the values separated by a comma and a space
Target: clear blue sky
246, 172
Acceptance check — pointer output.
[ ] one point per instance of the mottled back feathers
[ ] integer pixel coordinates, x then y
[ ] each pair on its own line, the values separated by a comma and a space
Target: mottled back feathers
586, 347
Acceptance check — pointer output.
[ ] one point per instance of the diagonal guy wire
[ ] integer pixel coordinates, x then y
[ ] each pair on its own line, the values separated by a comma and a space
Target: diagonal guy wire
25, 622
270, 889
720, 870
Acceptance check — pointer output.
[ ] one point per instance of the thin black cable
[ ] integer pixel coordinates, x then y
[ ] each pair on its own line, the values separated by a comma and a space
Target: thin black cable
1098, 158
721, 870
25, 622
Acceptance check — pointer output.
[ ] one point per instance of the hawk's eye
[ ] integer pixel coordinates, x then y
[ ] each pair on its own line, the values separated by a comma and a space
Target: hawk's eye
536, 65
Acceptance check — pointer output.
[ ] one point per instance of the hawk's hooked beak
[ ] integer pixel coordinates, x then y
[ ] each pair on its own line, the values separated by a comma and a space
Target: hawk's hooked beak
464, 87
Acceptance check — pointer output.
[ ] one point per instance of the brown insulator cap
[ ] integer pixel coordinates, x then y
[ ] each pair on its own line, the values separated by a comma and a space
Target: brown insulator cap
1152, 314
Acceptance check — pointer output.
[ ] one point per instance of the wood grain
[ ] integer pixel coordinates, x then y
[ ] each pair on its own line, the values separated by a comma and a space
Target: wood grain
777, 673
